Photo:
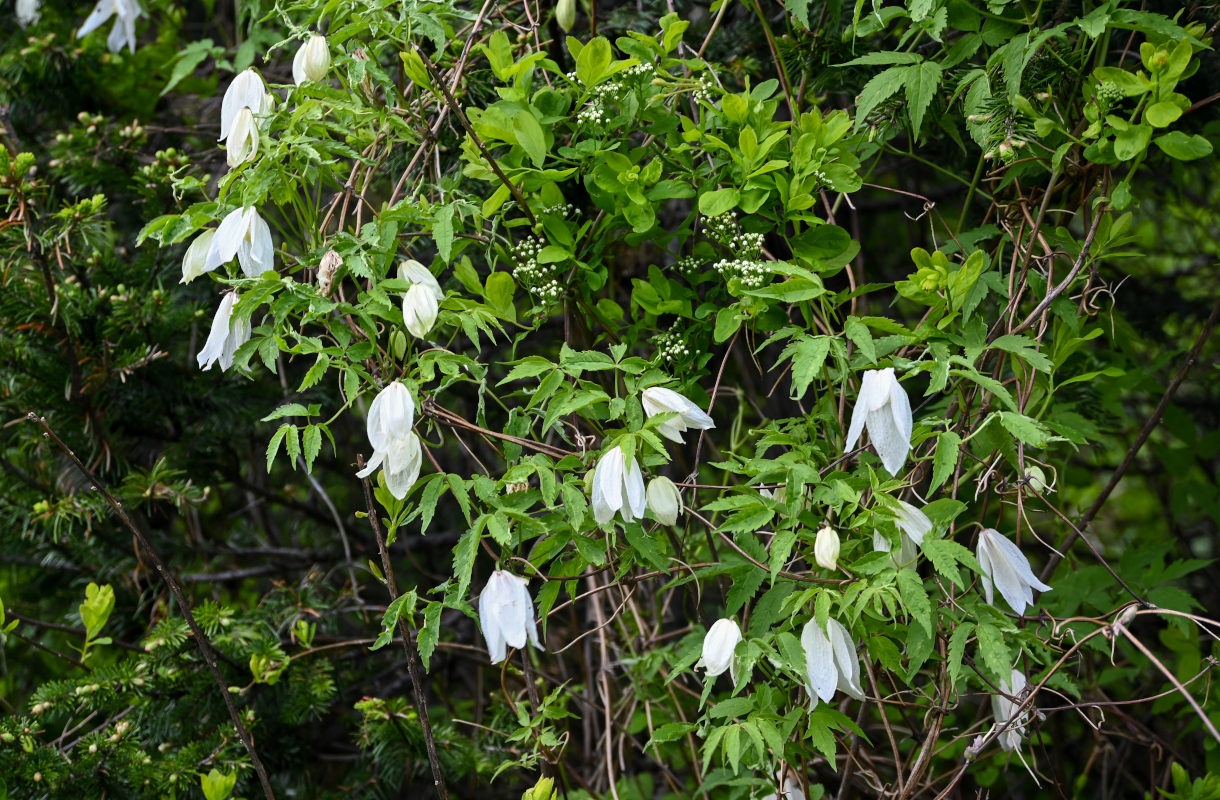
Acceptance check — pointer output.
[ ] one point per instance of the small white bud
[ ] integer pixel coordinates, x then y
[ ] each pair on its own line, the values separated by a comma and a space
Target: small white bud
826, 547
664, 499
312, 61
565, 14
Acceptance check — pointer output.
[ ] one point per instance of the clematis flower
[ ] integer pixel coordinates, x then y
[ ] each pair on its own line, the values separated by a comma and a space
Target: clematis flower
884, 409
664, 500
617, 486
311, 61
906, 549
718, 646
125, 13
246, 91
196, 257
391, 416
242, 234
1006, 568
830, 661
27, 12
1004, 710
227, 334
414, 272
912, 522
658, 400
243, 139
826, 547
506, 614
419, 310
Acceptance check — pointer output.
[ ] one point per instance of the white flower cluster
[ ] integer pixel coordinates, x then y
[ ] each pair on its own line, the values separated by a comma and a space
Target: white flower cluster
536, 278
703, 90
672, 345
688, 265
747, 245
559, 209
752, 274
721, 228
595, 111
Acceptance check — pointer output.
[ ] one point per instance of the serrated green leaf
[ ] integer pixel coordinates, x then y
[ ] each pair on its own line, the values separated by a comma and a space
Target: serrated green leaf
921, 84
948, 446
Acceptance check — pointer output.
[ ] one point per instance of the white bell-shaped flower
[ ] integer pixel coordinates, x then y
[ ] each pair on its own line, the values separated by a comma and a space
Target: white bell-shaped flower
27, 12
245, 235
664, 500
506, 614
243, 139
719, 644
912, 522
826, 547
1006, 568
617, 486
311, 61
884, 409
830, 661
195, 260
246, 91
906, 549
659, 400
419, 310
227, 334
395, 445
792, 791
1004, 710
123, 33
414, 272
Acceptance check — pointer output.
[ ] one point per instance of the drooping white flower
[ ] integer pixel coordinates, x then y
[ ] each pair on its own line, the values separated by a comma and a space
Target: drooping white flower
1005, 709
617, 486
884, 409
792, 791
125, 13
246, 91
912, 522
311, 61
658, 400
906, 549
243, 139
419, 310
826, 547
565, 14
227, 334
1006, 568
193, 263
27, 12
414, 272
718, 646
830, 661
506, 614
664, 500
391, 417
245, 235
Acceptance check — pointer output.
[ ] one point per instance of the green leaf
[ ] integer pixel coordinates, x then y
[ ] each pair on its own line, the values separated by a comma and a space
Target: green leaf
530, 136
189, 57
882, 59
728, 320
808, 354
218, 785
99, 603
719, 201
733, 707
880, 88
593, 61
957, 650
945, 555
859, 333
430, 633
1130, 143
995, 654
499, 293
1028, 430
442, 231
1183, 147
921, 84
311, 444
1162, 114
915, 599
948, 445
463, 559
1025, 349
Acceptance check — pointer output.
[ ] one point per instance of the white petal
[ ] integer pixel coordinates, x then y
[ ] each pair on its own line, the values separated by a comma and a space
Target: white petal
194, 263
227, 240
608, 485
633, 484
718, 646
889, 442
403, 461
239, 334
982, 553
100, 13
871, 391
846, 661
246, 91
819, 661
298, 66
672, 429
255, 252
913, 522
213, 348
419, 310
489, 618
374, 463
414, 272
900, 409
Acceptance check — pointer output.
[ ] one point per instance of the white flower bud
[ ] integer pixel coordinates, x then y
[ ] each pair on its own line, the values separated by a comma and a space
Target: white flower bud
312, 60
243, 138
419, 310
565, 14
826, 547
194, 263
718, 646
664, 499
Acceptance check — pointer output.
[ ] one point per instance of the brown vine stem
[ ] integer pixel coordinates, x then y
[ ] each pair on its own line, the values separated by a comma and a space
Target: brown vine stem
1153, 421
175, 588
452, 103
408, 642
